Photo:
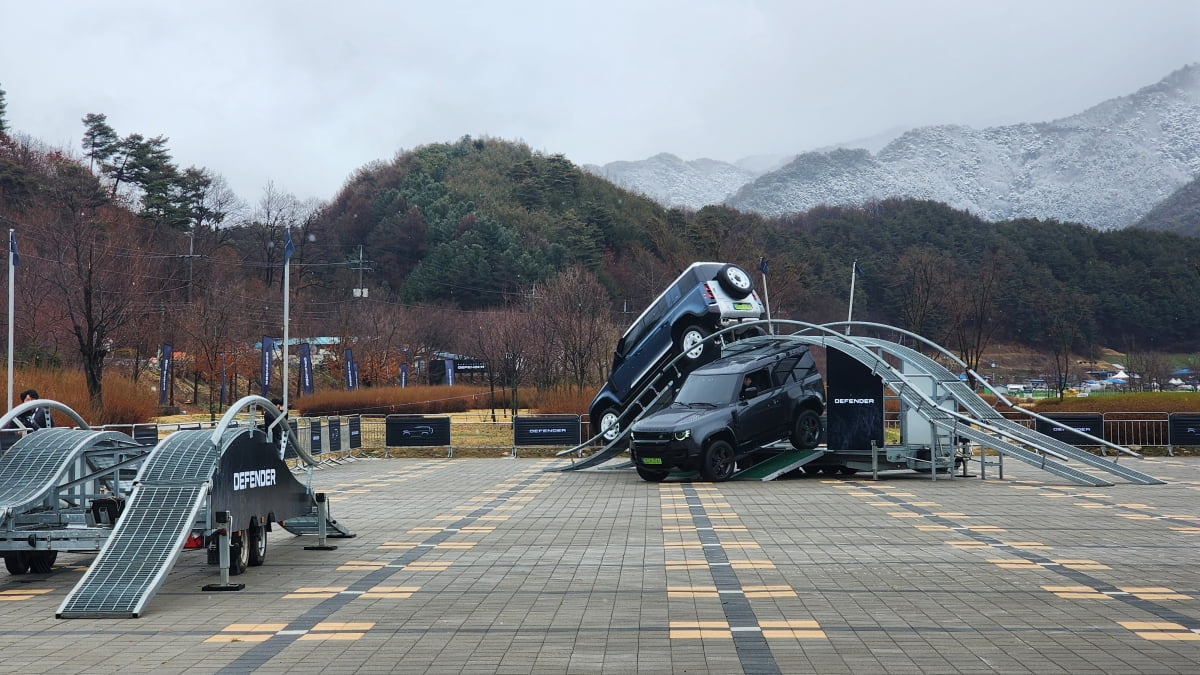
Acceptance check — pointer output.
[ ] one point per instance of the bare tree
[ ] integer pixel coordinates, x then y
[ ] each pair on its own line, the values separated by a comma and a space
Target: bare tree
573, 314
1065, 315
922, 279
95, 265
975, 314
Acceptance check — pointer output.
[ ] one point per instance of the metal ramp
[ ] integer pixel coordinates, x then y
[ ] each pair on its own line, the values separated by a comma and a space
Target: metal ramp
147, 540
949, 420
310, 523
785, 461
648, 398
966, 397
31, 471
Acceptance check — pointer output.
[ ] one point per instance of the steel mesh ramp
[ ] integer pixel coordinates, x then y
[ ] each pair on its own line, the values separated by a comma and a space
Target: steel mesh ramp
148, 538
770, 469
30, 469
310, 523
987, 440
965, 396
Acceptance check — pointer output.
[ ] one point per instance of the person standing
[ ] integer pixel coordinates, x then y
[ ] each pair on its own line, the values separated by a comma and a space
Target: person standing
38, 418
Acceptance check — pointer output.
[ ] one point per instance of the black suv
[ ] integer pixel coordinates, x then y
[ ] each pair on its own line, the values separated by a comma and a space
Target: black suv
764, 389
705, 298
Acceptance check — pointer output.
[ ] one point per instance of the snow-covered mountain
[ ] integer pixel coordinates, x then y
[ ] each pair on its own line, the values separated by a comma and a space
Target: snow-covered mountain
671, 181
1105, 167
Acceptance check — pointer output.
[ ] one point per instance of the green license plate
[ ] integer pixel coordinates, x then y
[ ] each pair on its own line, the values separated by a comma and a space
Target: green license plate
743, 305
652, 460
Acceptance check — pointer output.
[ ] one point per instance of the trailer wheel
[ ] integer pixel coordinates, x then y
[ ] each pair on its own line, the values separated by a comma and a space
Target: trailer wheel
42, 562
258, 544
16, 563
239, 553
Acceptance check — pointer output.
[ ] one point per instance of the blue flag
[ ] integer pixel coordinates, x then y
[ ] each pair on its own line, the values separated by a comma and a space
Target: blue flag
762, 266
12, 247
289, 249
857, 270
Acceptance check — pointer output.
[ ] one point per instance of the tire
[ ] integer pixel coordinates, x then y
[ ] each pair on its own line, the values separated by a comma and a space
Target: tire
689, 344
42, 562
16, 563
239, 553
806, 430
257, 545
718, 462
650, 475
734, 281
608, 424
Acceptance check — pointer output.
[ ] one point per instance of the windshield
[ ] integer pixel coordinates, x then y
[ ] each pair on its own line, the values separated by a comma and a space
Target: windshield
714, 389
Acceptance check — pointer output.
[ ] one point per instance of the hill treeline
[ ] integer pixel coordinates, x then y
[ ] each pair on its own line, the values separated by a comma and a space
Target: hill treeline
126, 251
478, 221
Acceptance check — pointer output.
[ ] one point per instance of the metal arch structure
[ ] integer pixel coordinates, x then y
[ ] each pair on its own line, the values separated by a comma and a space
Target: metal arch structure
898, 348
14, 416
951, 409
50, 482
184, 482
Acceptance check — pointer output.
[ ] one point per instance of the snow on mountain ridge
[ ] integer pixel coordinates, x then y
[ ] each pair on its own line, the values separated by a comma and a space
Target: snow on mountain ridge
1106, 166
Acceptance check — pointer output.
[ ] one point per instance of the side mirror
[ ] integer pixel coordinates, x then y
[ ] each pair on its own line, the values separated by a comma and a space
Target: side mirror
749, 392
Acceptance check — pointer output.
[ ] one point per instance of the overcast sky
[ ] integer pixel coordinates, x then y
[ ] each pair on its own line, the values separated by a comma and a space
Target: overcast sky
302, 93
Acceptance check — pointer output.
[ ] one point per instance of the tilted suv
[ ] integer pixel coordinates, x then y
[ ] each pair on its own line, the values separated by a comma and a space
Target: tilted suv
705, 298
765, 389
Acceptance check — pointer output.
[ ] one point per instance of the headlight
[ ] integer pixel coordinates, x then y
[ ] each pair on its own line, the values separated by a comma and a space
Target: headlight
683, 435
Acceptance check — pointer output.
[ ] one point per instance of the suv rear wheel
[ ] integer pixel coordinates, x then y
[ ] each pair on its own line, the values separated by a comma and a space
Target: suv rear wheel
806, 430
718, 462
608, 423
692, 345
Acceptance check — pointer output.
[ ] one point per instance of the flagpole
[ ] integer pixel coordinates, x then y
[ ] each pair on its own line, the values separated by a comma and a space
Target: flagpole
762, 268
12, 267
287, 268
850, 314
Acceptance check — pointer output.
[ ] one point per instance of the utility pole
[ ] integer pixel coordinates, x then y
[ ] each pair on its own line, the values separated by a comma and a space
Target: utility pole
360, 291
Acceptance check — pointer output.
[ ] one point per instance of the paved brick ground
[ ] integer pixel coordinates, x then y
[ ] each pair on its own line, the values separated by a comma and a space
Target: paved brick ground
495, 566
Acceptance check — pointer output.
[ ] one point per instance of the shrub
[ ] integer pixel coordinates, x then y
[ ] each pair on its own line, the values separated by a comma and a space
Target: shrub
124, 401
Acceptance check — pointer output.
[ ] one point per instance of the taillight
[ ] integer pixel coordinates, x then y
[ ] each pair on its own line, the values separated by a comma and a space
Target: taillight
709, 295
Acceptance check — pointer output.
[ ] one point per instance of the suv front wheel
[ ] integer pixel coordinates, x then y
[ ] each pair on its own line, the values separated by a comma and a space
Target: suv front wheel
718, 462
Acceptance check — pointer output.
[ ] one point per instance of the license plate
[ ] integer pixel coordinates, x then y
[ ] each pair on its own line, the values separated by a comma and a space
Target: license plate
652, 460
743, 305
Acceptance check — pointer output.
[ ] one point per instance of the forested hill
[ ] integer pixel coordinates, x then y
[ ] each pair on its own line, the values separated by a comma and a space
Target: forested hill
481, 222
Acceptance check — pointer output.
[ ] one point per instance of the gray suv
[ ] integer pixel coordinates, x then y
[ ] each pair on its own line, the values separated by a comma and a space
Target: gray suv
765, 389
705, 298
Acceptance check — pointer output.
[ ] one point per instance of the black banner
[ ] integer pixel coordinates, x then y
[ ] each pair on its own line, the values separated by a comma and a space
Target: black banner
1065, 425
268, 354
164, 373
145, 434
355, 429
335, 434
405, 431
306, 374
546, 430
469, 366
1184, 429
854, 404
314, 437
